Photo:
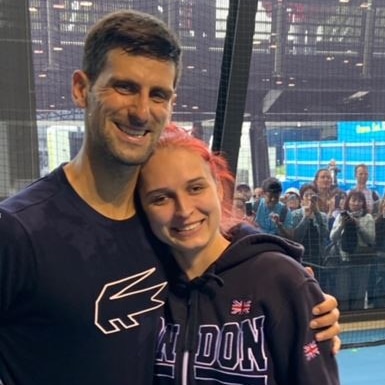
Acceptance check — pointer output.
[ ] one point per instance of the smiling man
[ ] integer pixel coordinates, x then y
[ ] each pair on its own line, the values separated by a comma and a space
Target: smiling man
81, 288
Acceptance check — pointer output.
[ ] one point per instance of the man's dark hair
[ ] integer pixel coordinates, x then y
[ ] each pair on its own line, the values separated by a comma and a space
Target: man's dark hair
136, 33
272, 185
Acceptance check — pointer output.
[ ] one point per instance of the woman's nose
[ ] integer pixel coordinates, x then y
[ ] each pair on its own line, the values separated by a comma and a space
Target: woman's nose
183, 207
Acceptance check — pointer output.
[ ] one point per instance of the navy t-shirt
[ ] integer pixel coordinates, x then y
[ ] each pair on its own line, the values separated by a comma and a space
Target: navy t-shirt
80, 294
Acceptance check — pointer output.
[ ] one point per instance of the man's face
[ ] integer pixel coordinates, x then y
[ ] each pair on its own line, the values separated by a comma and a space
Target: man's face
362, 175
271, 199
127, 106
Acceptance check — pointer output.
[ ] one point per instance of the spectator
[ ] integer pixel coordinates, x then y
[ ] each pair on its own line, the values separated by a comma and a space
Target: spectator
334, 170
239, 206
245, 190
310, 228
378, 283
339, 204
258, 193
353, 232
361, 173
372, 201
325, 191
272, 216
292, 199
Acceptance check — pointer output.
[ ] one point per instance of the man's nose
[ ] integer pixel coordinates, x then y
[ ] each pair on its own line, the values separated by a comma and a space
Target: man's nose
139, 109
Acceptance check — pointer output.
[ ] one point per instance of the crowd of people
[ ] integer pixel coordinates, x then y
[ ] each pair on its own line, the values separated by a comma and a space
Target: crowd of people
342, 231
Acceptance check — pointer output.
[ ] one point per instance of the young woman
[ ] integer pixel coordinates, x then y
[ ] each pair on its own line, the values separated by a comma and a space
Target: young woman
353, 232
326, 191
240, 305
311, 226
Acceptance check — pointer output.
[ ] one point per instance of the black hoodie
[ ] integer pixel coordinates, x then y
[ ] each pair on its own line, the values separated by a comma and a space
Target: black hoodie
245, 320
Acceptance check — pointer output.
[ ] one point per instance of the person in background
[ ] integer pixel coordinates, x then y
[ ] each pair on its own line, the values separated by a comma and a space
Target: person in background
239, 206
378, 283
372, 198
325, 191
334, 171
310, 228
216, 329
354, 233
339, 204
258, 194
272, 216
361, 173
244, 190
292, 199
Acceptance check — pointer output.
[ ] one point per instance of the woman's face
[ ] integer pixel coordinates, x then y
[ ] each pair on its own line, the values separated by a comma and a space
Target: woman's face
182, 201
355, 204
324, 180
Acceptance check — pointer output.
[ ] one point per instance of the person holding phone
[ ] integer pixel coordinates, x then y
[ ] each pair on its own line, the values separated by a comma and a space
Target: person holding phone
310, 228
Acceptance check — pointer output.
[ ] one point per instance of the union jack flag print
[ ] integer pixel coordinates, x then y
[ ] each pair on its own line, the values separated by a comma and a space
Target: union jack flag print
311, 350
240, 307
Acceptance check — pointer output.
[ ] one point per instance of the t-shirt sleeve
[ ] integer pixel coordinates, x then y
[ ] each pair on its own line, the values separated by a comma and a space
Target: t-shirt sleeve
17, 267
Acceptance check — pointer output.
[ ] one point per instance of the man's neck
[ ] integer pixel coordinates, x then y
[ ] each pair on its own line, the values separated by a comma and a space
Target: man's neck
111, 193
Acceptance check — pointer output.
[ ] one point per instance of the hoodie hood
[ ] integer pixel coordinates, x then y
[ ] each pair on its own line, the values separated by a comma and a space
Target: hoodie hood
247, 243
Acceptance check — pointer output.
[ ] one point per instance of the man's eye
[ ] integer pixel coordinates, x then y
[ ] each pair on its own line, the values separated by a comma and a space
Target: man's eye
124, 89
159, 97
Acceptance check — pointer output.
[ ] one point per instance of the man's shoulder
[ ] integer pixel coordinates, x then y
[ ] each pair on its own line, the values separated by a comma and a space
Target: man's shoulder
38, 192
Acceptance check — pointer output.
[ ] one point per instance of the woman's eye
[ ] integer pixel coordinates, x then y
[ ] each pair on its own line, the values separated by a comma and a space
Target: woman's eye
159, 200
196, 189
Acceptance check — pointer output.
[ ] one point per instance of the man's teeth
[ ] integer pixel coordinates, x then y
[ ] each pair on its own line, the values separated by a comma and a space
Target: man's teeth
131, 132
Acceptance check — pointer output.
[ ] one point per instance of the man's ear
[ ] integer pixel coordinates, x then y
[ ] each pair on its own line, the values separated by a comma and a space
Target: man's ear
80, 85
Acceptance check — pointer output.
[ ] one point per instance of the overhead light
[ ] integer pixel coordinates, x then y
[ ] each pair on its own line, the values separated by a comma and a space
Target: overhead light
358, 95
86, 3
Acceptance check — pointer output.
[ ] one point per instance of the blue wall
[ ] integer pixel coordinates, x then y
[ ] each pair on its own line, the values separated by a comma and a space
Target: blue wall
358, 142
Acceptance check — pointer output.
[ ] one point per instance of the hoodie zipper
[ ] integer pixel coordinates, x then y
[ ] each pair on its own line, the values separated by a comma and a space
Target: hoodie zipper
190, 336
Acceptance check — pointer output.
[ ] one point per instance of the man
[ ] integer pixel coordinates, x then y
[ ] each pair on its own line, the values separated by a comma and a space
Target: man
273, 217
372, 198
81, 288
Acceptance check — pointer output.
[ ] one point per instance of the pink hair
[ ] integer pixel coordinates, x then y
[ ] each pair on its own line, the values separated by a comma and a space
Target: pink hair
177, 137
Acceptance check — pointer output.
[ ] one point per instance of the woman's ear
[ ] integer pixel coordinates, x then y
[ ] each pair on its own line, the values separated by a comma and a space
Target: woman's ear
80, 83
